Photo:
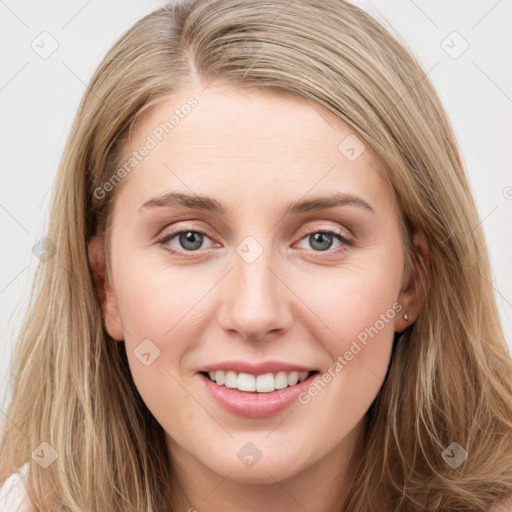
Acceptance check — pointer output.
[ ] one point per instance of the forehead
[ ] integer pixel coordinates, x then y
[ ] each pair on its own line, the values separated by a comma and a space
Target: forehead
248, 146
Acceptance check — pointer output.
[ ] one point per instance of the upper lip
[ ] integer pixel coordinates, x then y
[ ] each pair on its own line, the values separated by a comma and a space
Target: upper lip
256, 368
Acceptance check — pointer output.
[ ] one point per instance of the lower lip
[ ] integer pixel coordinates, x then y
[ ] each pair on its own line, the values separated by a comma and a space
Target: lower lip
255, 405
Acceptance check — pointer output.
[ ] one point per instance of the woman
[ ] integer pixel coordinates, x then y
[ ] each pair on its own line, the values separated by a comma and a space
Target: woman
270, 288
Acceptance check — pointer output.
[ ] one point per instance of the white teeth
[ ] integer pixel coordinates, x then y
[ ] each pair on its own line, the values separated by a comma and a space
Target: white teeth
281, 380
265, 383
219, 377
293, 378
246, 382
303, 376
262, 383
230, 380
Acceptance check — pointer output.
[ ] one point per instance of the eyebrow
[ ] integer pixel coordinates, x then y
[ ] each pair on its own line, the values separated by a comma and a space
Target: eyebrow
301, 206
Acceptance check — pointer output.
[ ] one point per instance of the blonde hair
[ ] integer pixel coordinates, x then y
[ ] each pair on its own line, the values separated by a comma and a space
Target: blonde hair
449, 376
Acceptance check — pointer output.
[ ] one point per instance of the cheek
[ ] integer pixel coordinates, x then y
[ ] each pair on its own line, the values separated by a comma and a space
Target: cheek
157, 301
359, 343
354, 298
356, 307
159, 317
164, 310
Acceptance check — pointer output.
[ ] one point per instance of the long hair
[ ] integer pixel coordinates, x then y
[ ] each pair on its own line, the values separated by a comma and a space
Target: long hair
449, 378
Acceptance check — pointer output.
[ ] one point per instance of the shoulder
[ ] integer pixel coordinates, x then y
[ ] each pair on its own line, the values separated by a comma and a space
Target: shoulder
13, 494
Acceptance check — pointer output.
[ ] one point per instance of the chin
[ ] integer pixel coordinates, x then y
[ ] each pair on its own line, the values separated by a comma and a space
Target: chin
267, 470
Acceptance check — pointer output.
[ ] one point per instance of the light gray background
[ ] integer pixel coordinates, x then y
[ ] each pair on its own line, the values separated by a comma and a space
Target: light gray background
39, 97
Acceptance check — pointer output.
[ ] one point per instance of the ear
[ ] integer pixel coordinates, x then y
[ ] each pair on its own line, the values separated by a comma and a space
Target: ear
414, 283
111, 315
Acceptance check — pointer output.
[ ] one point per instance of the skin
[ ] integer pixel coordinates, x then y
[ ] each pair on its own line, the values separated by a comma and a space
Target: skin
254, 152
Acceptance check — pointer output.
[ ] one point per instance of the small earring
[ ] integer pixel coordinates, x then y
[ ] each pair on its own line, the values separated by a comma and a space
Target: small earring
406, 316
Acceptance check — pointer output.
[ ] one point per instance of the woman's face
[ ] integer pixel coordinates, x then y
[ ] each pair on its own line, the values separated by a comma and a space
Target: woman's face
251, 274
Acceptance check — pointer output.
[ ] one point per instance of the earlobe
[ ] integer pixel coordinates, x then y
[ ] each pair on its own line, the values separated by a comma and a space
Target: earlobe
415, 284
106, 296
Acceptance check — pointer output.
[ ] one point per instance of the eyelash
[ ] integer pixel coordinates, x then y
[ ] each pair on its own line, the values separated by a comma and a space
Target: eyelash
346, 242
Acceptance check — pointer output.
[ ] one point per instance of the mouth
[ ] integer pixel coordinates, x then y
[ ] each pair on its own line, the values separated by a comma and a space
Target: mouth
256, 396
256, 389
250, 383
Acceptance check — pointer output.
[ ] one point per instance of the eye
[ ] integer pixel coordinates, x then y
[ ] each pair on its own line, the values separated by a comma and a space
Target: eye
188, 240
321, 241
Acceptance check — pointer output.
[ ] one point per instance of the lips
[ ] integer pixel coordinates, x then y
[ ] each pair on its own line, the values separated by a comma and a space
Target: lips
256, 390
255, 404
263, 377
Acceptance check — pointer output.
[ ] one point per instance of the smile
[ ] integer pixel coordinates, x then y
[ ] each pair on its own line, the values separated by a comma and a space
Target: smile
267, 383
251, 396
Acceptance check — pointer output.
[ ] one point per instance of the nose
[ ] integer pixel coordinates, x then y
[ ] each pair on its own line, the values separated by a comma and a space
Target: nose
256, 302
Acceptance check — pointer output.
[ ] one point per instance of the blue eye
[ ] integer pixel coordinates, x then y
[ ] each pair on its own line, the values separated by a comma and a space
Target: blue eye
323, 240
191, 241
